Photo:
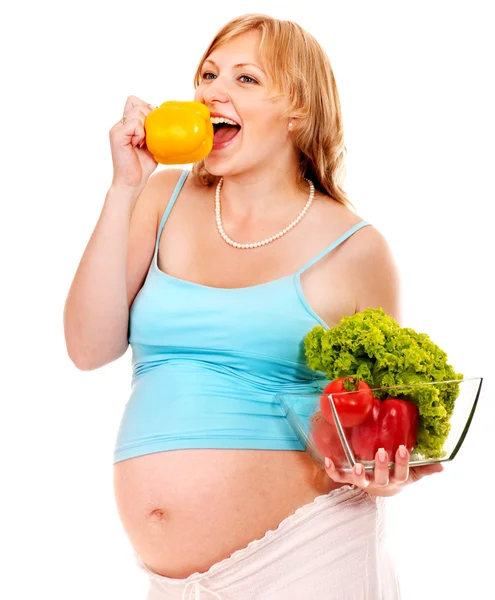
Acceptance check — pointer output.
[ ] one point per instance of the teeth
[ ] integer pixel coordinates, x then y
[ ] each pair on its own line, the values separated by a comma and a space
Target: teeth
217, 120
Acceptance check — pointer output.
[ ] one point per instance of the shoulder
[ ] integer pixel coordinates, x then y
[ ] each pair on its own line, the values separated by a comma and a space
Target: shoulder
161, 186
367, 264
369, 243
165, 180
376, 274
334, 219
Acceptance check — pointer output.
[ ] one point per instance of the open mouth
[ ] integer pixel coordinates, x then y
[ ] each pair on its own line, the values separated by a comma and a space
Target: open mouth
225, 131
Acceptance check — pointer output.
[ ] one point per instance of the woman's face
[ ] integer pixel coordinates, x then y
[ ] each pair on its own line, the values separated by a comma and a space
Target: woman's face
234, 85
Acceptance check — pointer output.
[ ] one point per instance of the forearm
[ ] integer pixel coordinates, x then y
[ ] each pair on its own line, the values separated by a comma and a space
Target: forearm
96, 311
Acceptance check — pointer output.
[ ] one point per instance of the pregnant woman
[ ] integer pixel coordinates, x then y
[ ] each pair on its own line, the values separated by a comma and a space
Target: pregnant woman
214, 277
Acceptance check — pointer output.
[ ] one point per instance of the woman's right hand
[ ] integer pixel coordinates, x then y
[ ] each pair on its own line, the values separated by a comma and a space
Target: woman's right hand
133, 163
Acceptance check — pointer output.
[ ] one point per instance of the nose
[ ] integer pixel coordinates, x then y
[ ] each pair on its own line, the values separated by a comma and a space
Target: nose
216, 91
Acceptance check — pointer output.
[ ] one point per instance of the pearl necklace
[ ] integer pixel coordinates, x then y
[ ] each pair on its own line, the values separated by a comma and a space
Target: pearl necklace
268, 240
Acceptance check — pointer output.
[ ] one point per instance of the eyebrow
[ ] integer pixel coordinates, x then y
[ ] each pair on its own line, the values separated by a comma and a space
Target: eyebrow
237, 65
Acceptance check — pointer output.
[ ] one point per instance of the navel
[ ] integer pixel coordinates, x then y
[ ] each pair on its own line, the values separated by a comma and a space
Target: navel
159, 514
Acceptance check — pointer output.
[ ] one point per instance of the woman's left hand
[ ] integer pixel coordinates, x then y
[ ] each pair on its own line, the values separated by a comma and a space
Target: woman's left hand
383, 481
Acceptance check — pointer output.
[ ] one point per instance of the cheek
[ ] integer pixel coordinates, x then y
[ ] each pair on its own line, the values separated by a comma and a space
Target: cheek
267, 128
265, 123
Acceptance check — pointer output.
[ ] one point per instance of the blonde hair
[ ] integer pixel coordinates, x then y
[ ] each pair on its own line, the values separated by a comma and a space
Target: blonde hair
299, 69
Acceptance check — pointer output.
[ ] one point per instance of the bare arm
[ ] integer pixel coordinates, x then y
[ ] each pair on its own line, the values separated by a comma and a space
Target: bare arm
112, 271
377, 283
96, 310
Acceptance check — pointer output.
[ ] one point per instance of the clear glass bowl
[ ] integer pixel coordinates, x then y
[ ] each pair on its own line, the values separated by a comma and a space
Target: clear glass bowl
323, 435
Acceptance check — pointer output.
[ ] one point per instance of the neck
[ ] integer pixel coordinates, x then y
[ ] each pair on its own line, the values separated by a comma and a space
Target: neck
261, 195
267, 240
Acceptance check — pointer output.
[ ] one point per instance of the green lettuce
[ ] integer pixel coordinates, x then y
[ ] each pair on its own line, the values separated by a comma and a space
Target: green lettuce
373, 346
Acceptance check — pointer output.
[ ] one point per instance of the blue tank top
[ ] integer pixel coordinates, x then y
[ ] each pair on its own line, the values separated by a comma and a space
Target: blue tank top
208, 362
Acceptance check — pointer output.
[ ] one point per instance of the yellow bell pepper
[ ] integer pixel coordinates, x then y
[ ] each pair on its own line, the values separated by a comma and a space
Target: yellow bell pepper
179, 133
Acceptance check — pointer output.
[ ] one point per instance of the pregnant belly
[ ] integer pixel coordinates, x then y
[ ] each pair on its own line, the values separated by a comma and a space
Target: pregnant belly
185, 510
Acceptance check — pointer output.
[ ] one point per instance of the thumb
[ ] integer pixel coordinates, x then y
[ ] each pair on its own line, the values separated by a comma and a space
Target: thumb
417, 473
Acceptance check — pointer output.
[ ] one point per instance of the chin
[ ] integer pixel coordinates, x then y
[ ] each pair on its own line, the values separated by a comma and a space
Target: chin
215, 170
229, 167
219, 167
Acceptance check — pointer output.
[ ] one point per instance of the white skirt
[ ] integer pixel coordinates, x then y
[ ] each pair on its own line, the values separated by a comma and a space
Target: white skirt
333, 549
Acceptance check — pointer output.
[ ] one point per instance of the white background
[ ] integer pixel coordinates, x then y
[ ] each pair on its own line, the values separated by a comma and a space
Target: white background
415, 81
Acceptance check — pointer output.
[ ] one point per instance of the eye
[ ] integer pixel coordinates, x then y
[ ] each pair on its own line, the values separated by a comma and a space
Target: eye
251, 80
207, 74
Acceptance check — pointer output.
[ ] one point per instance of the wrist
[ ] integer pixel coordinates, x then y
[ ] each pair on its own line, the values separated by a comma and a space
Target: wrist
129, 191
121, 193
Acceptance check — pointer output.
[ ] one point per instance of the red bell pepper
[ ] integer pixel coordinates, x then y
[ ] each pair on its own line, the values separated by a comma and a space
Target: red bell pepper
326, 438
364, 437
353, 400
391, 423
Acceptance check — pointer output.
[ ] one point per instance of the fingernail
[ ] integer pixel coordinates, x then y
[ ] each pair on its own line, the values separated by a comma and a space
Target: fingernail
327, 462
382, 455
151, 106
359, 469
402, 451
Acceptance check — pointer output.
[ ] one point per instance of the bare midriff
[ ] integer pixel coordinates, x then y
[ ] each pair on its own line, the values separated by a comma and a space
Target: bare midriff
185, 510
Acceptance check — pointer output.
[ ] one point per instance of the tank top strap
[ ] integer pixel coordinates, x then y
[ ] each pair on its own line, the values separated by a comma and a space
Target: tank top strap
333, 245
170, 205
